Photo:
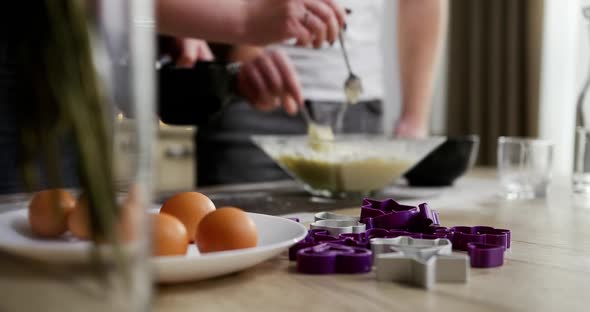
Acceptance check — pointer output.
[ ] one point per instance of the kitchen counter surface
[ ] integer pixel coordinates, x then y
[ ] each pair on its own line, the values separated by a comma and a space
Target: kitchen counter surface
547, 268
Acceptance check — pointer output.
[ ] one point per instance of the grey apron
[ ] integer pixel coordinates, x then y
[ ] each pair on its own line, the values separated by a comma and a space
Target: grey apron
225, 153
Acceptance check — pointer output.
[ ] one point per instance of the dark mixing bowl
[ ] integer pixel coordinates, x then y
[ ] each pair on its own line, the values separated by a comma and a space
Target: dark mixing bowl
446, 163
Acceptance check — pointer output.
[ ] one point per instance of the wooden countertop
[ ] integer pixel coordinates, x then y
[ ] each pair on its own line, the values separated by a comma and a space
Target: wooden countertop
547, 268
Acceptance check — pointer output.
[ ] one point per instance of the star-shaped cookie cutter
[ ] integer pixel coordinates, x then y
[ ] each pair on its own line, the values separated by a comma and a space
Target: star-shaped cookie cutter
389, 214
419, 262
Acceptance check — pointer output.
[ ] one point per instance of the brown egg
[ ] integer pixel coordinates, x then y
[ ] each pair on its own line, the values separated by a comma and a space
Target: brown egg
169, 236
78, 222
126, 227
226, 228
189, 208
48, 212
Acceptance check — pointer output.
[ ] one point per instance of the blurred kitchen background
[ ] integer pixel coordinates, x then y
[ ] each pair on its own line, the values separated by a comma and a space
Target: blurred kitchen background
508, 67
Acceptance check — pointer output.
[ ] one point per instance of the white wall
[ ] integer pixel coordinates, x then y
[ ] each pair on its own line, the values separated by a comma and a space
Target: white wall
559, 79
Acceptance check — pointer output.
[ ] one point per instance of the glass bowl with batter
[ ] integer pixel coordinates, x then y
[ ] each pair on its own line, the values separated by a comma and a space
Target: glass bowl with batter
349, 165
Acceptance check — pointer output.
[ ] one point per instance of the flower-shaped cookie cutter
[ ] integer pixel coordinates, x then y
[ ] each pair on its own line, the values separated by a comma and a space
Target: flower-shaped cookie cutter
419, 262
331, 258
463, 235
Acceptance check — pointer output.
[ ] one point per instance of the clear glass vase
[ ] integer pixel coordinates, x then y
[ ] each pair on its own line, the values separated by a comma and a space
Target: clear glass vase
110, 272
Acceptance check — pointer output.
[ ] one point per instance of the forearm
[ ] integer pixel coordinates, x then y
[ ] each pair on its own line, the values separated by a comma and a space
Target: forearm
421, 28
211, 20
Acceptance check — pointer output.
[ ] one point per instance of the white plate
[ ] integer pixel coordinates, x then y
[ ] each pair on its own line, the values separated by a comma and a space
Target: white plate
275, 234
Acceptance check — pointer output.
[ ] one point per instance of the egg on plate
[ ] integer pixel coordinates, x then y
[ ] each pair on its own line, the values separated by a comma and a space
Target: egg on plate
226, 228
189, 208
169, 236
48, 212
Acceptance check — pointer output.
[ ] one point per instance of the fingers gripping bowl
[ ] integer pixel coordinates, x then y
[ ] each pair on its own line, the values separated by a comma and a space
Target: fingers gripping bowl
351, 165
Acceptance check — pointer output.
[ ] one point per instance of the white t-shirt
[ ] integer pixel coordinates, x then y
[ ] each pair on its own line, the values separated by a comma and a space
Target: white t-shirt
323, 71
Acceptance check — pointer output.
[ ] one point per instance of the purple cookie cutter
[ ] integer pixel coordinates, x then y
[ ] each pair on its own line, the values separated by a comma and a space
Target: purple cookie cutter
313, 238
427, 217
463, 235
318, 236
333, 258
389, 214
485, 245
383, 233
435, 232
485, 255
361, 240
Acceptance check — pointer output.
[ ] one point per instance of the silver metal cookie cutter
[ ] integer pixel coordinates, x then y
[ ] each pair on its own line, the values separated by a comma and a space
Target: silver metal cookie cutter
419, 262
326, 215
337, 227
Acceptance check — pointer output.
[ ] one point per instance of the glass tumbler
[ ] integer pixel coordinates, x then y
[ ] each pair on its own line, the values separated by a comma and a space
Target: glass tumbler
97, 58
581, 176
524, 167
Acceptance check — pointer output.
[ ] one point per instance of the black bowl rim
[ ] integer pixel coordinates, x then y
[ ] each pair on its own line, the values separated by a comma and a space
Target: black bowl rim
463, 138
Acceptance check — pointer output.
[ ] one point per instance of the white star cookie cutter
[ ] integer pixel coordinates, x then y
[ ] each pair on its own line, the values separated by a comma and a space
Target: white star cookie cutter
419, 262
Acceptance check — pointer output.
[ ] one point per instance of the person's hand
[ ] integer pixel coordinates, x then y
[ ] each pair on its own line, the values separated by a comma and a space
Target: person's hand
270, 80
308, 21
411, 128
192, 50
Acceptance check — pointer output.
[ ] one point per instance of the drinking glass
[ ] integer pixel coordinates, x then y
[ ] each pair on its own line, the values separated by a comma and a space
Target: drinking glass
524, 167
102, 53
581, 176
